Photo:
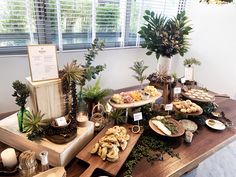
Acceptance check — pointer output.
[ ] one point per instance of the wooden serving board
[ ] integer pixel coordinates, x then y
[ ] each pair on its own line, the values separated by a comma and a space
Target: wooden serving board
179, 127
188, 114
136, 103
96, 162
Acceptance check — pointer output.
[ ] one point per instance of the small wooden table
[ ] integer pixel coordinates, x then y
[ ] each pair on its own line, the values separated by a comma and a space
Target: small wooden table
206, 143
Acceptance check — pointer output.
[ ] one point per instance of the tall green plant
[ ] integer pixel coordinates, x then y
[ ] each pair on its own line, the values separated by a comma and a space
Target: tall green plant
72, 75
139, 69
164, 36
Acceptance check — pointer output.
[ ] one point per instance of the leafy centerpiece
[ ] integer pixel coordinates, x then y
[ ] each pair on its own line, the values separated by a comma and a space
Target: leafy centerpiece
165, 37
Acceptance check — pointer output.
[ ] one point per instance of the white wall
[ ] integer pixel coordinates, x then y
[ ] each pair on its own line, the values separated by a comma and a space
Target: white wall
116, 75
214, 43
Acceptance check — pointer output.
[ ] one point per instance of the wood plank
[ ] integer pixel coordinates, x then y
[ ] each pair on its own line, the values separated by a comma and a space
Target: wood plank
96, 162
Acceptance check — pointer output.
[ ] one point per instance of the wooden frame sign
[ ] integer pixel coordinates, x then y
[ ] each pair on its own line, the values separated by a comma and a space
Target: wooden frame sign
43, 62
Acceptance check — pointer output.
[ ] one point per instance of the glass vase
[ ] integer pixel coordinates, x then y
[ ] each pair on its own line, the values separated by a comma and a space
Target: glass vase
21, 115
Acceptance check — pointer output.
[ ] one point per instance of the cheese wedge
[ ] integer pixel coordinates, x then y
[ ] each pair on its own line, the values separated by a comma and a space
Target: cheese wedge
162, 127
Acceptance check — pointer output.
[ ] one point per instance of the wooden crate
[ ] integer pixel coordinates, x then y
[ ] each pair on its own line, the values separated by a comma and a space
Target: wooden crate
47, 97
59, 155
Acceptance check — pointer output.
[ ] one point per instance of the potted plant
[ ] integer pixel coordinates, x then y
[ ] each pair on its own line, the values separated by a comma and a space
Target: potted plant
72, 75
139, 69
94, 94
21, 93
35, 125
165, 37
118, 116
189, 70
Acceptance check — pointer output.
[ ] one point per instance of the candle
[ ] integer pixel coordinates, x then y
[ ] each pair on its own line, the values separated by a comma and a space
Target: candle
9, 159
82, 117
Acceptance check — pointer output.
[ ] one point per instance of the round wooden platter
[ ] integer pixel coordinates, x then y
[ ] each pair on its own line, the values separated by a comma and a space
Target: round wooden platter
197, 99
180, 128
136, 103
188, 114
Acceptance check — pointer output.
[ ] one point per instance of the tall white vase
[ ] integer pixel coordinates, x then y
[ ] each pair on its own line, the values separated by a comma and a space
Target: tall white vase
164, 64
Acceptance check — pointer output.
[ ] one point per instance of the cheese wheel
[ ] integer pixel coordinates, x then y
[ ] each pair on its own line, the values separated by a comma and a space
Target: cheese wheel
162, 127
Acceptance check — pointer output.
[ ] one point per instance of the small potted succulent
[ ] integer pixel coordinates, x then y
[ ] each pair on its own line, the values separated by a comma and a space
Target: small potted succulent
21, 93
189, 70
35, 125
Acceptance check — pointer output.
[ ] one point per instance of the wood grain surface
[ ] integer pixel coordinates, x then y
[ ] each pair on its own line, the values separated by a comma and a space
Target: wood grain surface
204, 144
95, 161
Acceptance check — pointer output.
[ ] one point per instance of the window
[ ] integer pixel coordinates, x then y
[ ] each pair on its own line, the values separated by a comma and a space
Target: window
73, 24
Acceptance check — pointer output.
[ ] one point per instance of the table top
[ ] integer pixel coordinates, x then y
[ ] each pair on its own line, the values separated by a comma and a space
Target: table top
204, 144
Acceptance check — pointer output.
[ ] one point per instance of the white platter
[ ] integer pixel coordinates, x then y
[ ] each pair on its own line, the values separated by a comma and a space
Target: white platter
217, 126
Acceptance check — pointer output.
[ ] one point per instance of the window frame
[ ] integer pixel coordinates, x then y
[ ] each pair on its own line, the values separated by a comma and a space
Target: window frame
44, 37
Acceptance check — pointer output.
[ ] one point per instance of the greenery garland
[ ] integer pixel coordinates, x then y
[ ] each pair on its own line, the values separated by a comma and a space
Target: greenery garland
148, 146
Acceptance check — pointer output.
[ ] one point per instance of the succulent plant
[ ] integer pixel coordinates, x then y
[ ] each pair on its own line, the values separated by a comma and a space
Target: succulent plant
35, 125
118, 115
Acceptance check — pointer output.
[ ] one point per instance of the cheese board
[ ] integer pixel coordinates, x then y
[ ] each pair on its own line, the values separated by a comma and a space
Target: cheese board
134, 104
96, 162
198, 95
180, 129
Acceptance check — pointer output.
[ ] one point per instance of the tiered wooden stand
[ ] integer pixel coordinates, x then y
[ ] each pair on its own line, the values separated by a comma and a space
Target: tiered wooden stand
59, 155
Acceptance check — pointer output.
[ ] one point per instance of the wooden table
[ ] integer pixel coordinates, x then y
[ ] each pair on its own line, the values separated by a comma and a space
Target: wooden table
206, 143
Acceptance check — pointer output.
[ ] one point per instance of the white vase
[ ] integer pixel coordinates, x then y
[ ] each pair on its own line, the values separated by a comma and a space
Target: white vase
164, 64
188, 73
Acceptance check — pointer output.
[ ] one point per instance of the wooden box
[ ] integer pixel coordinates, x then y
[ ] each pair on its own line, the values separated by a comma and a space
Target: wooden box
59, 155
47, 97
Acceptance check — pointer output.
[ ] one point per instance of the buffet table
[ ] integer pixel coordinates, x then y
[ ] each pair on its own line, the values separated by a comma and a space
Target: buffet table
204, 144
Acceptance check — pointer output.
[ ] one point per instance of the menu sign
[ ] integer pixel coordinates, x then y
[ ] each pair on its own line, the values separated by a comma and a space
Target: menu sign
43, 62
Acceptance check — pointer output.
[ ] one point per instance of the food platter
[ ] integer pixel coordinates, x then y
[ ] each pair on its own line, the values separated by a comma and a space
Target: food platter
198, 95
189, 114
134, 104
179, 127
187, 107
215, 124
96, 162
189, 125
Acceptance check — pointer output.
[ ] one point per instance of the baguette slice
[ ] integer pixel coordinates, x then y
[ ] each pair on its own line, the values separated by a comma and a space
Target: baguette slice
162, 127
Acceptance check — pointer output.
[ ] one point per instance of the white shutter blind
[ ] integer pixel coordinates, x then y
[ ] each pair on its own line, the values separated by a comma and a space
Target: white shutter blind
108, 22
73, 24
76, 23
17, 27
137, 11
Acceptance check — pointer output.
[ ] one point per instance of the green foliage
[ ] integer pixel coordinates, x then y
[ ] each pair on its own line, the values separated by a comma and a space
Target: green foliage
139, 69
174, 76
35, 125
73, 72
21, 93
191, 61
94, 94
164, 36
149, 147
118, 115
90, 71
